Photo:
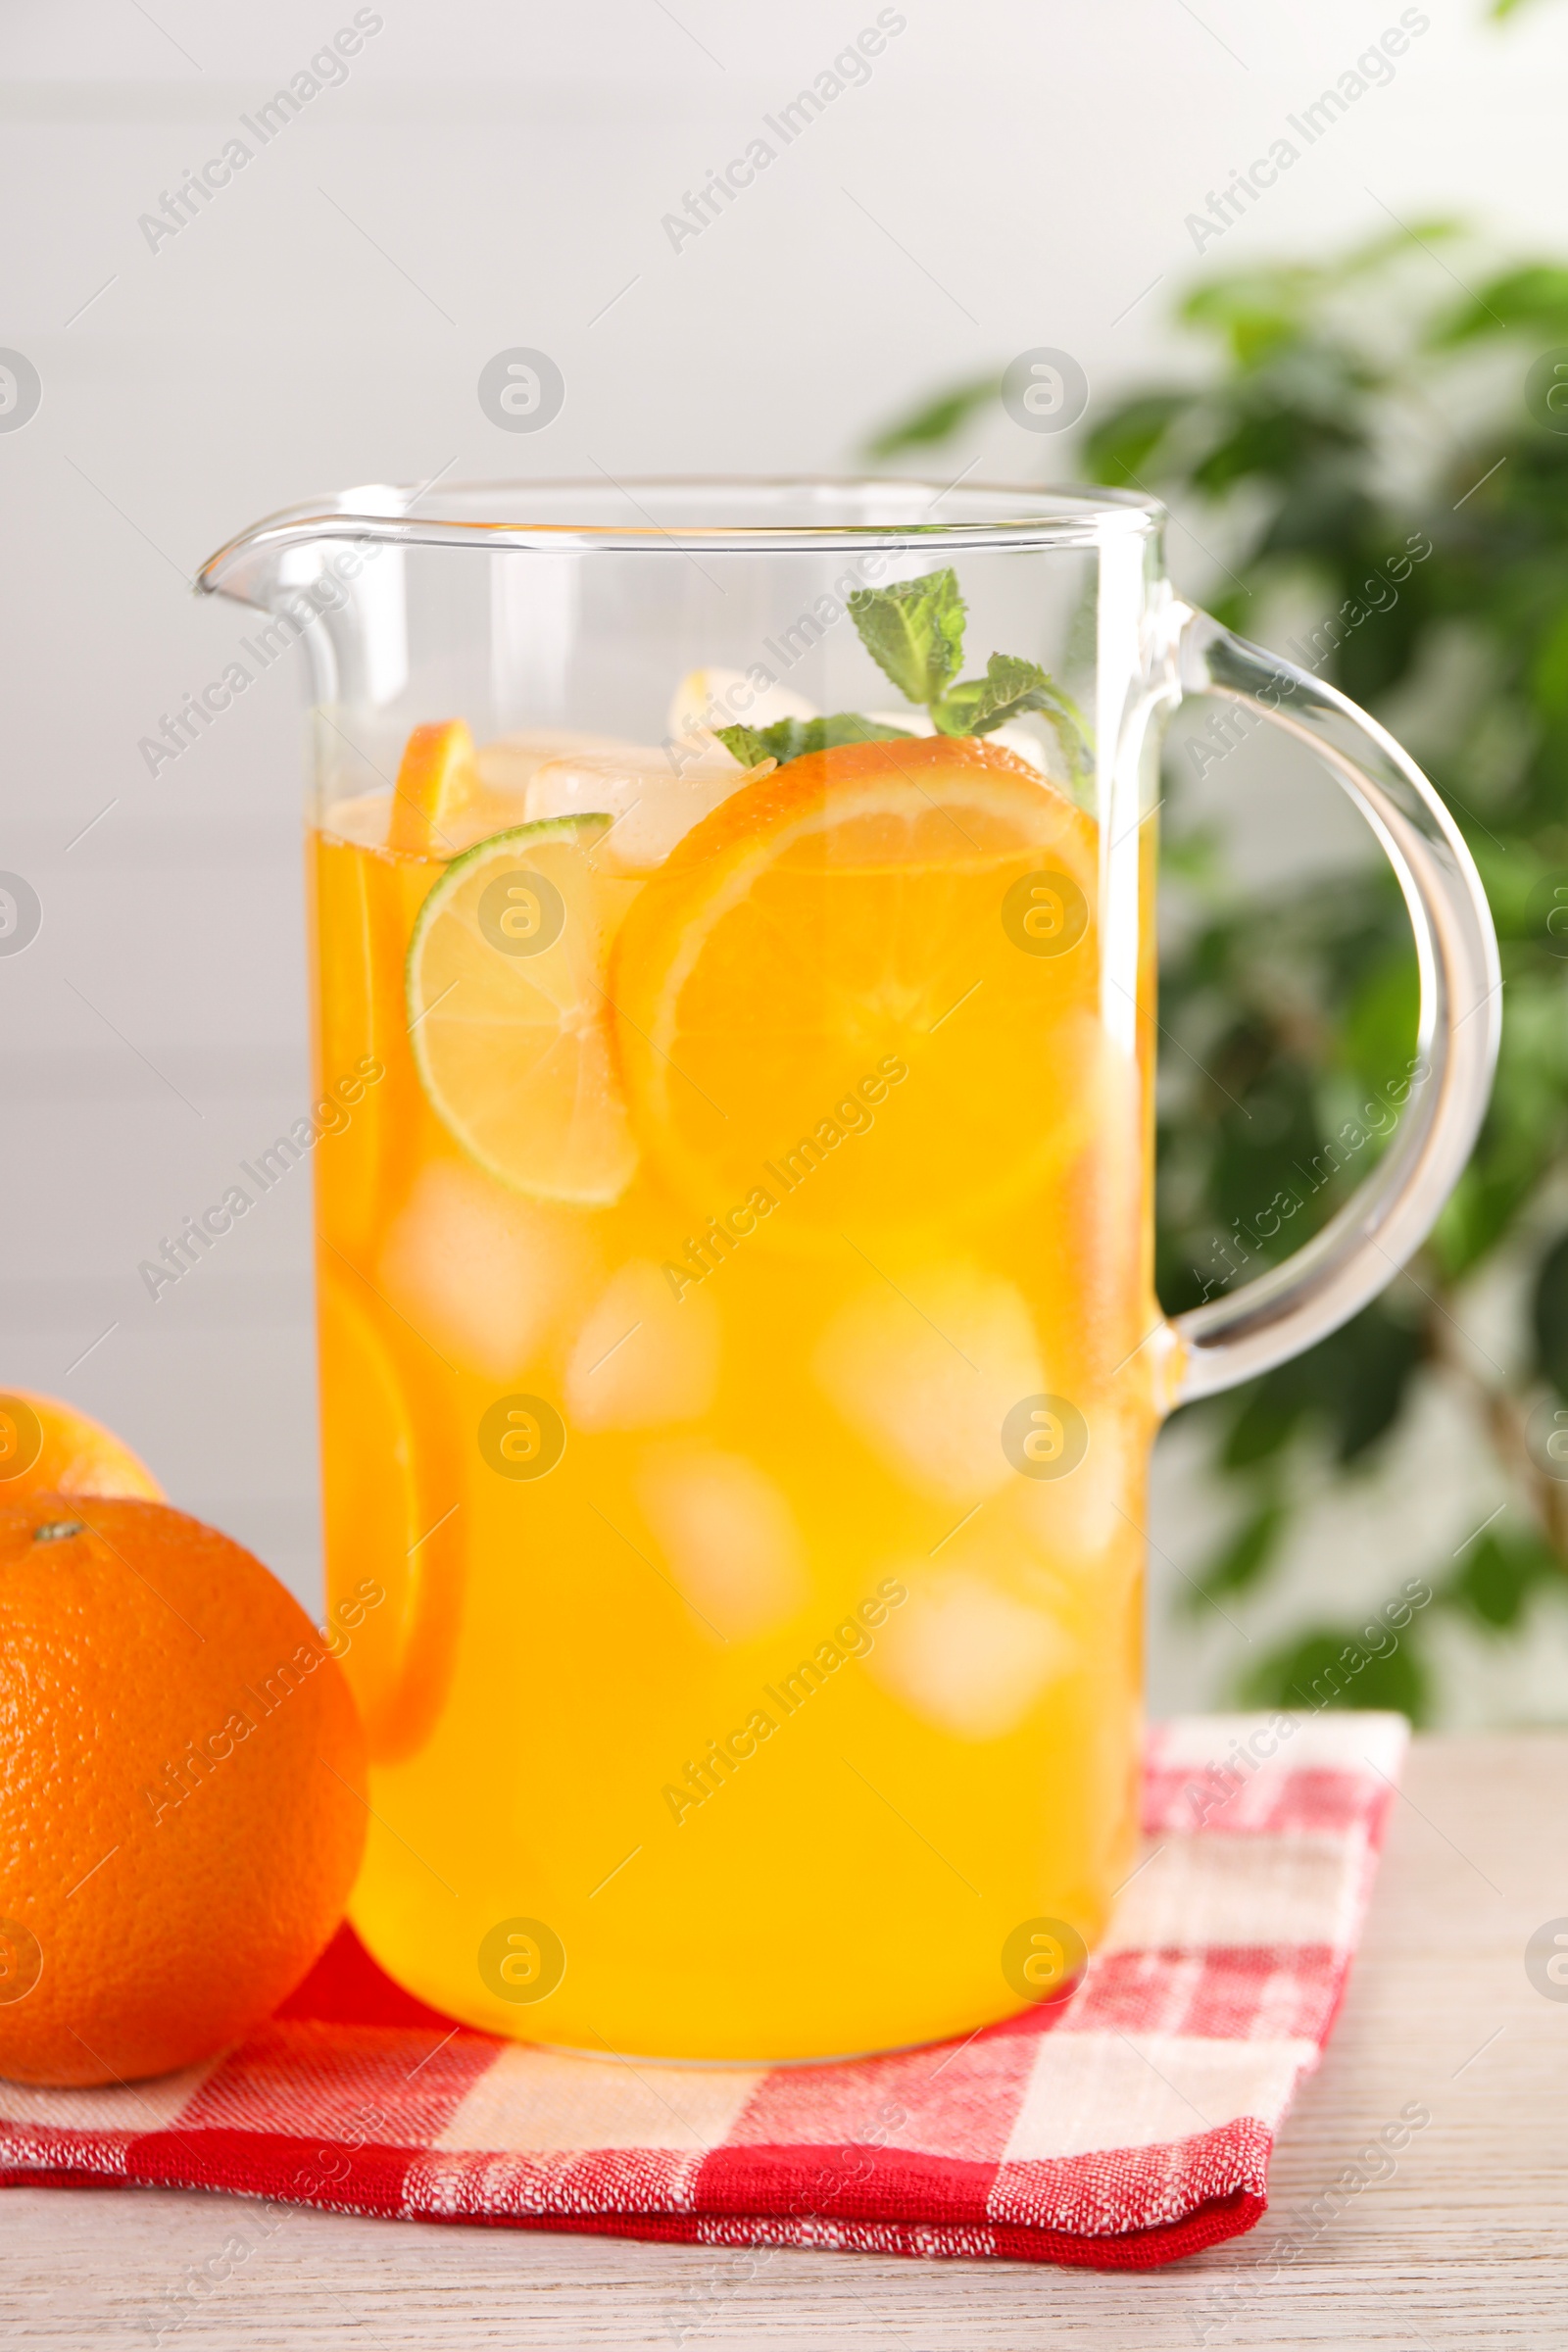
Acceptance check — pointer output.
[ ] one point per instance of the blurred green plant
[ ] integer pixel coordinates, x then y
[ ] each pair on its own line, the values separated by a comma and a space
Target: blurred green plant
1425, 564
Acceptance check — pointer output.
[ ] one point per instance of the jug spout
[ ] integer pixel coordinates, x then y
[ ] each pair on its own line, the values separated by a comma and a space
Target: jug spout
267, 565
331, 573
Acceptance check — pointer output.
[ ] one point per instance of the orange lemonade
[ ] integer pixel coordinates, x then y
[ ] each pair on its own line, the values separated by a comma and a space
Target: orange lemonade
733, 1308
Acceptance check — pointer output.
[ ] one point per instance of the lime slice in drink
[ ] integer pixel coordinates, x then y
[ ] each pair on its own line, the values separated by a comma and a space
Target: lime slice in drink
508, 1012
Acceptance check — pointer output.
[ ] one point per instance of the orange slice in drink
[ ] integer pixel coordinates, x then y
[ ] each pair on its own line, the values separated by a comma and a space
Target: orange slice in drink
506, 1000
394, 1567
863, 994
437, 781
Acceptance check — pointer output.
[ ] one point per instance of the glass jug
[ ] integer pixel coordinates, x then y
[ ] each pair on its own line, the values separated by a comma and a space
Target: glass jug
734, 983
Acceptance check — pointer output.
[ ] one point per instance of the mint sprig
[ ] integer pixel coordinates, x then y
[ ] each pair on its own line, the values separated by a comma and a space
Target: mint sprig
790, 738
914, 631
1009, 688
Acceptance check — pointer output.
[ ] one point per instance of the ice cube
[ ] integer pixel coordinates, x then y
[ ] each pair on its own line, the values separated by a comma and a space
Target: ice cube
967, 1655
654, 796
365, 819
511, 762
644, 1358
728, 1537
927, 1372
1076, 1520
478, 1271
711, 697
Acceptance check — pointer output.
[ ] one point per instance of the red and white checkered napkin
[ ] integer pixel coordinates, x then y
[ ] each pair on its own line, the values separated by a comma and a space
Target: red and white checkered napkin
1125, 2127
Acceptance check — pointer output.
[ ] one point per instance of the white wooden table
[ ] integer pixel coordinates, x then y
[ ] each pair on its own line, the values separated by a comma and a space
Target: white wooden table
1465, 2246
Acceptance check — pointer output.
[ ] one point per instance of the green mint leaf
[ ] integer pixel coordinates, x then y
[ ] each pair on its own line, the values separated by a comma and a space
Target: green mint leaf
914, 631
744, 744
791, 738
1009, 688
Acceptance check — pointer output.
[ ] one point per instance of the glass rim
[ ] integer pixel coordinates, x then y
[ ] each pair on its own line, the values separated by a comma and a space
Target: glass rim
1033, 516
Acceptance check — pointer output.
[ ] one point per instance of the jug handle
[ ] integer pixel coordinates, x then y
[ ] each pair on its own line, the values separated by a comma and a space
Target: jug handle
1335, 1274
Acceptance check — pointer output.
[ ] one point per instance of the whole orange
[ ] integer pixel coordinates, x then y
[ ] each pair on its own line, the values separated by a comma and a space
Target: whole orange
181, 1791
47, 1448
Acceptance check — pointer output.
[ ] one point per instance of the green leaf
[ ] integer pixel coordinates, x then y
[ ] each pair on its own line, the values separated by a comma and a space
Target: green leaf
1266, 1423
1498, 1574
1548, 673
937, 420
914, 631
1009, 689
1353, 1385
1363, 261
1239, 1565
744, 744
791, 738
1335, 1668
1256, 312
1122, 448
1535, 298
1377, 1360
1549, 1315
1380, 1024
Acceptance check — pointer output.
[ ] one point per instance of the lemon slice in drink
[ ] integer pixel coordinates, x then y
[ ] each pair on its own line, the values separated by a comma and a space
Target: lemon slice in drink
508, 1014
